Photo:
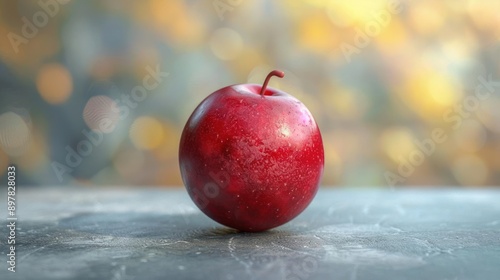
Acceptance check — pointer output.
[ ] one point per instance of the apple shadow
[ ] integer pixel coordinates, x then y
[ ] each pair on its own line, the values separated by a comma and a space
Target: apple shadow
193, 228
153, 225
142, 225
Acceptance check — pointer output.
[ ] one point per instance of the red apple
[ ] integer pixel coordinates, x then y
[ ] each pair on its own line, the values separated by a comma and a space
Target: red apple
251, 157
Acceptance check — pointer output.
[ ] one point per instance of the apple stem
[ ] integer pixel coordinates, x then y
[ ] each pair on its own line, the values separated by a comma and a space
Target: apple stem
277, 73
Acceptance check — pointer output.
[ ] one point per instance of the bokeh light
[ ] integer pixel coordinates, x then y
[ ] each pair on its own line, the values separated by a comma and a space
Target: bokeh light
54, 83
146, 133
101, 113
15, 134
397, 142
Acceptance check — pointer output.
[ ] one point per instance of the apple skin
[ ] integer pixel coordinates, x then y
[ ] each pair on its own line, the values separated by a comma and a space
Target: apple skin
249, 161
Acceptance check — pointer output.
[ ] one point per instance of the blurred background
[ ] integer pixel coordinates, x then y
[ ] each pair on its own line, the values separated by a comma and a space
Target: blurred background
97, 92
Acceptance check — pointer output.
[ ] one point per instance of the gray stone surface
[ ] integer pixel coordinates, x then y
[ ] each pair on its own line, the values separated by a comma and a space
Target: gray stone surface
90, 233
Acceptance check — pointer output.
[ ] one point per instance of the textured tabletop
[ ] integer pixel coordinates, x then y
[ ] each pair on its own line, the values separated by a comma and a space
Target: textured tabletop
75, 233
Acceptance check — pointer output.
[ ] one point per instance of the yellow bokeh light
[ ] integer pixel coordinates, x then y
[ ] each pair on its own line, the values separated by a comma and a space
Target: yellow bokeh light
343, 102
168, 149
146, 133
430, 93
177, 22
425, 17
441, 90
484, 14
397, 142
316, 33
248, 58
54, 83
345, 13
392, 37
338, 17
